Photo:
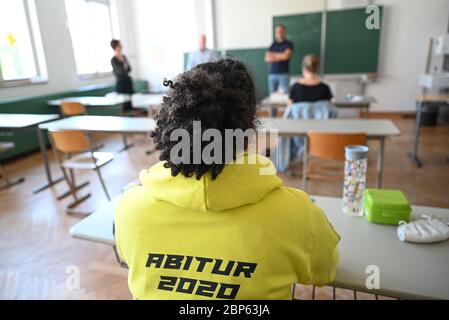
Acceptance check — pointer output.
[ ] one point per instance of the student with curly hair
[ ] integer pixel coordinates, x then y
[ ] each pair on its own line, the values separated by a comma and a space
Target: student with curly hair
221, 229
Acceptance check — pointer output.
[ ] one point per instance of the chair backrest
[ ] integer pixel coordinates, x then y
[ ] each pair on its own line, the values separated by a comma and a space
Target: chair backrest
320, 110
69, 141
69, 109
332, 145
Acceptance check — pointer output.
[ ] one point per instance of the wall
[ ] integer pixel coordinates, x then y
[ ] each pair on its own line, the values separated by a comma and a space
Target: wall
248, 23
408, 26
59, 53
164, 30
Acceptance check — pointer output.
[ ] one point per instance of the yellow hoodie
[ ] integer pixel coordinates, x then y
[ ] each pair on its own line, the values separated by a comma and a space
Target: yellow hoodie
241, 236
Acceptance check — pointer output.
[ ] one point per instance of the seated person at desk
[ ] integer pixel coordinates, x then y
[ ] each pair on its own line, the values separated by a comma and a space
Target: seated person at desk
201, 229
310, 88
309, 99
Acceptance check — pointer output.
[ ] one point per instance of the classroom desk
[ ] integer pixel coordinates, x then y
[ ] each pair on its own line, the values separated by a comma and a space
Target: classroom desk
103, 124
275, 102
147, 101
439, 100
279, 101
97, 227
374, 129
98, 124
139, 101
17, 122
363, 105
112, 101
407, 271
6, 146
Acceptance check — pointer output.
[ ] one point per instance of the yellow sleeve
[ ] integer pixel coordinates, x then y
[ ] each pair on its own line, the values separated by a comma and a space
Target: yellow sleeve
324, 254
121, 221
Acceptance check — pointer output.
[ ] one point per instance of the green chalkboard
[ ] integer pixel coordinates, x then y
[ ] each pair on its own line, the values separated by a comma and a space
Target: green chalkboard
350, 46
304, 30
255, 61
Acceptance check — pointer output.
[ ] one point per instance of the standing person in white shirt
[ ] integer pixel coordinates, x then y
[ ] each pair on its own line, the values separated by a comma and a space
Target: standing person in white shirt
202, 55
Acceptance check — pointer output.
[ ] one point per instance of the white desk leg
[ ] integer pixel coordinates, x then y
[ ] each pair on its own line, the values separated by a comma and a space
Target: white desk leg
305, 163
380, 162
126, 145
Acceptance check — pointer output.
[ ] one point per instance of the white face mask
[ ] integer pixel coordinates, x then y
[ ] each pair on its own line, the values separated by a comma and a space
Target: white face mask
428, 230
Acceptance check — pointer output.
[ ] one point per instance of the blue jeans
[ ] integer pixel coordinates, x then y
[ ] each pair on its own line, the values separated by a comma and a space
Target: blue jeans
278, 82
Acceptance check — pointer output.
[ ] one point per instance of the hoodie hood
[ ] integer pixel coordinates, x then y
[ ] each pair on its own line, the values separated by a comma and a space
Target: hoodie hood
245, 181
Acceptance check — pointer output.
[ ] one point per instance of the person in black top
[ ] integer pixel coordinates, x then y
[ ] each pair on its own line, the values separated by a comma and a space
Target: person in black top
278, 56
121, 69
310, 88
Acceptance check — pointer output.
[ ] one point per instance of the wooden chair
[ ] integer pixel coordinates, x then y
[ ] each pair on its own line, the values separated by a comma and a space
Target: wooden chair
7, 146
70, 109
329, 146
73, 151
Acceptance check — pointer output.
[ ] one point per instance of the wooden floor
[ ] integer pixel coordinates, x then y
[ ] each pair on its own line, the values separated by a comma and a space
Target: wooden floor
39, 259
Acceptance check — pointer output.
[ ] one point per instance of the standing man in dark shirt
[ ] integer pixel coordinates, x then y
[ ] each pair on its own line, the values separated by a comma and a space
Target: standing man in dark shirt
121, 69
278, 56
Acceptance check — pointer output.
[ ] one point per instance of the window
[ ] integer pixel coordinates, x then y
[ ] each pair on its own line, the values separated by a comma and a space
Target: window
21, 53
92, 25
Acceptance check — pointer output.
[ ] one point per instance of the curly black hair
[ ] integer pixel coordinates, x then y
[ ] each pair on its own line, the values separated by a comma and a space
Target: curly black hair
221, 95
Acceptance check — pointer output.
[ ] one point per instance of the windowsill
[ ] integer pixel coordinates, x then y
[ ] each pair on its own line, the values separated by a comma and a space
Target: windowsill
94, 76
22, 83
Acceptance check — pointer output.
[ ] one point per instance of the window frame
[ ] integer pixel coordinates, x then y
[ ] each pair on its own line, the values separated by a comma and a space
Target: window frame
97, 75
40, 77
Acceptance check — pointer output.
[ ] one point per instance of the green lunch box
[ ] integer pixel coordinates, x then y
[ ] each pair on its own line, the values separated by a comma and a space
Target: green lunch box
386, 206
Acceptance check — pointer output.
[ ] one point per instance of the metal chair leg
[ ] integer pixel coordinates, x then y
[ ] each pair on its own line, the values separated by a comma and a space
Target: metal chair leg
334, 293
73, 189
72, 177
69, 183
355, 295
103, 184
313, 293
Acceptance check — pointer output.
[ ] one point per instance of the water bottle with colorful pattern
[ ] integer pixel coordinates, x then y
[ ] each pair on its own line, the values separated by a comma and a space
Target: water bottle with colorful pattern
356, 166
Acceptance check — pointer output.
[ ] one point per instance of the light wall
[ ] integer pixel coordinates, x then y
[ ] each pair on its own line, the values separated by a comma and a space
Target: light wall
59, 53
408, 27
164, 31
248, 23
